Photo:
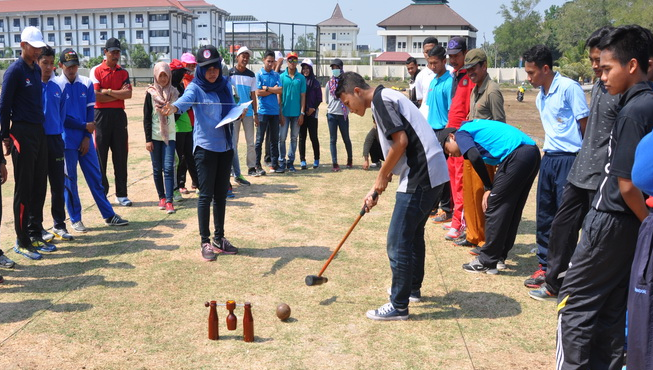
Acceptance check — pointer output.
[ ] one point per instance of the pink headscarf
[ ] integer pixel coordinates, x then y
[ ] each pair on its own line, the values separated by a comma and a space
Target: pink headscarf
162, 95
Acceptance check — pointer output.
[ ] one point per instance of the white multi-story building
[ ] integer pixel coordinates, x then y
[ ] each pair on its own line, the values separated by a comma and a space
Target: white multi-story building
210, 23
165, 27
338, 36
404, 31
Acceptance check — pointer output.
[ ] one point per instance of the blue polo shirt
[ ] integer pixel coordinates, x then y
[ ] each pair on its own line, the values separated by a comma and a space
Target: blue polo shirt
642, 175
438, 99
54, 106
291, 96
267, 104
494, 140
21, 99
560, 111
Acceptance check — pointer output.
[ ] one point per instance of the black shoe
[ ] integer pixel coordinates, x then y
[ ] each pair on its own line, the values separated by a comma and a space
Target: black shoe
477, 267
251, 171
222, 245
259, 171
465, 243
475, 251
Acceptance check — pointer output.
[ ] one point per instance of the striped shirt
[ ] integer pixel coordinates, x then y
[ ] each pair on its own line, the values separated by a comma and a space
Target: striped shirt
423, 164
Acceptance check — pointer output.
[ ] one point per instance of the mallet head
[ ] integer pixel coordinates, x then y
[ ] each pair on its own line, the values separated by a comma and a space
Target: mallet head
315, 280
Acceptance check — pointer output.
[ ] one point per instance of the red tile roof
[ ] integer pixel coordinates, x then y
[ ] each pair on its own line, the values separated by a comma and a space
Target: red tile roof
392, 56
426, 15
12, 6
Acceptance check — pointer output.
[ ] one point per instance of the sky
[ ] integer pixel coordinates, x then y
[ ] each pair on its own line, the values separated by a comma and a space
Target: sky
482, 14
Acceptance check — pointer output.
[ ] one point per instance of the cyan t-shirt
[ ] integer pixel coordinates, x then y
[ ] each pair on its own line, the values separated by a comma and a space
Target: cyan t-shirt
291, 96
494, 140
438, 99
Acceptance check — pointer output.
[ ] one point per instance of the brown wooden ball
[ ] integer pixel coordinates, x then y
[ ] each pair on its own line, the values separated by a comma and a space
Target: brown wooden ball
283, 311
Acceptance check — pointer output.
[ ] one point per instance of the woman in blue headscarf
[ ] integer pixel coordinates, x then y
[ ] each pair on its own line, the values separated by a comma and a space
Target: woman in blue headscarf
210, 97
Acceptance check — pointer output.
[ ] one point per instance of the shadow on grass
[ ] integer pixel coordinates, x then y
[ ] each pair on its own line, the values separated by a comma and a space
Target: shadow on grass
257, 339
286, 255
479, 305
526, 227
20, 311
54, 285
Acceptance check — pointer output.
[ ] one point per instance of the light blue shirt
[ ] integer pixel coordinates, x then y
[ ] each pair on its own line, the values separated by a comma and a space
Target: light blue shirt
494, 140
207, 116
560, 110
268, 104
438, 99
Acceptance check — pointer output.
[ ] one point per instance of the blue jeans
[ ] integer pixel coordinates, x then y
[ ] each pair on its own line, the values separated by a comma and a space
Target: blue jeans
292, 124
163, 165
336, 121
265, 121
406, 246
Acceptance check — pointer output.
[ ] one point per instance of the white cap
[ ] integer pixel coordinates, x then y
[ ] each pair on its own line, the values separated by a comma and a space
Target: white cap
278, 54
307, 61
32, 36
244, 49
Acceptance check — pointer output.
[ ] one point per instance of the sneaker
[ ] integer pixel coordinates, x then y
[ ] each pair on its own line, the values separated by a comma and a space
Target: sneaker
29, 252
303, 165
162, 204
242, 180
252, 172
501, 265
446, 226
474, 251
124, 201
442, 217
335, 168
6, 262
388, 312
223, 245
46, 235
79, 227
454, 234
184, 191
42, 245
415, 296
176, 196
259, 171
464, 243
476, 266
230, 192
116, 220
349, 164
316, 164
279, 169
291, 168
543, 294
537, 279
62, 234
170, 209
207, 252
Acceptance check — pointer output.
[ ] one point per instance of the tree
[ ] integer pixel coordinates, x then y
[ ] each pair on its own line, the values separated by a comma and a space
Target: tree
549, 32
575, 63
306, 43
92, 62
139, 57
631, 12
577, 19
520, 30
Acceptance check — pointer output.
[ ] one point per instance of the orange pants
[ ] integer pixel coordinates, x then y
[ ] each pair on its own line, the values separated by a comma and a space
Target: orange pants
455, 165
472, 203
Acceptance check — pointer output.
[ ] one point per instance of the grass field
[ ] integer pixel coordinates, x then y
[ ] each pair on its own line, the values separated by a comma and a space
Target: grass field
133, 297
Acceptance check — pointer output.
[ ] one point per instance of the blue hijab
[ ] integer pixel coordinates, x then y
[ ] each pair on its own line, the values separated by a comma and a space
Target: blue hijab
220, 86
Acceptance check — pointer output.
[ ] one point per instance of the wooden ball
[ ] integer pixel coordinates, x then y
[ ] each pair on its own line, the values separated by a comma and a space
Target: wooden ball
283, 311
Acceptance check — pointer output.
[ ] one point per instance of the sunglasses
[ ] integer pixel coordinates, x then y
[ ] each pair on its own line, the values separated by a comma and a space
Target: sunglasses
295, 61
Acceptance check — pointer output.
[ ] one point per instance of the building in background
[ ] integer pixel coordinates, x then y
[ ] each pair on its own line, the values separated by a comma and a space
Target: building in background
165, 27
338, 36
246, 30
404, 31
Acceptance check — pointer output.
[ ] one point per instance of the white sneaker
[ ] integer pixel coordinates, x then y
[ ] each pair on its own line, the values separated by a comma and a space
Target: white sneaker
79, 227
124, 201
501, 265
6, 262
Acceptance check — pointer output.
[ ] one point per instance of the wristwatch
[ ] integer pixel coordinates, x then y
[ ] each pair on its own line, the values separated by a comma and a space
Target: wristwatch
303, 114
267, 88
109, 92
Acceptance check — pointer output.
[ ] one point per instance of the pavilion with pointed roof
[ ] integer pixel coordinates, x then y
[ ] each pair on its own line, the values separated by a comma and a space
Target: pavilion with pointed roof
404, 31
338, 35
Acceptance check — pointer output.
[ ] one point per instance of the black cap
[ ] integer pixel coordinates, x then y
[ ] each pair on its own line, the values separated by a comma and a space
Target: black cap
112, 44
456, 45
444, 134
208, 55
337, 62
69, 57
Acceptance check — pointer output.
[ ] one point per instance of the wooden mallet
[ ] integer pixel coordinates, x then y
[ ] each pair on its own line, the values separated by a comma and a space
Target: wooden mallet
319, 279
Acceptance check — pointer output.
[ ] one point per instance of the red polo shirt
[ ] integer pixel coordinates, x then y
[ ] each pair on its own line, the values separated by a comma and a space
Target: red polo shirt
104, 77
460, 102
